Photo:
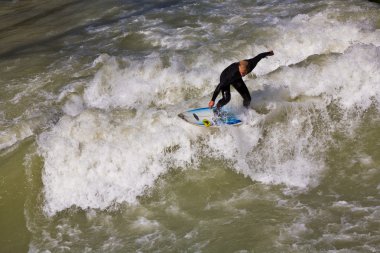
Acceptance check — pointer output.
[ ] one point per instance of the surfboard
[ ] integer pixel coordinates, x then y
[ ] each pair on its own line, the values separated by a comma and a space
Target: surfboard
205, 117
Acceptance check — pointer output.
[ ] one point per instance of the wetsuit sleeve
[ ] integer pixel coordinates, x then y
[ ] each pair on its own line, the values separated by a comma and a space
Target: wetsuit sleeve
216, 92
253, 61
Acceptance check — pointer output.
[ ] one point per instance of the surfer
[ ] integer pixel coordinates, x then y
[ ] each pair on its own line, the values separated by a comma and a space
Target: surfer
232, 75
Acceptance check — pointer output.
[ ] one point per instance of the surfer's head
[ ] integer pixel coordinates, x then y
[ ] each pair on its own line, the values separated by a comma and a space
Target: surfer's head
243, 68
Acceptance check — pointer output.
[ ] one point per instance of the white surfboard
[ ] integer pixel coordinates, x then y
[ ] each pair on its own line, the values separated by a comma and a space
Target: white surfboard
205, 117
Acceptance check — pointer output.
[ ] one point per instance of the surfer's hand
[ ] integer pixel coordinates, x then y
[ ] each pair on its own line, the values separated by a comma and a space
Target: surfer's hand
211, 104
270, 53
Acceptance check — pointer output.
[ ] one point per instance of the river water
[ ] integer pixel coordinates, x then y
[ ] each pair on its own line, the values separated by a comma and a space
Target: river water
93, 157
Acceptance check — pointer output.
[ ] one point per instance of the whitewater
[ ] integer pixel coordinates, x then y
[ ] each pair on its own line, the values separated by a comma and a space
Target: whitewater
95, 159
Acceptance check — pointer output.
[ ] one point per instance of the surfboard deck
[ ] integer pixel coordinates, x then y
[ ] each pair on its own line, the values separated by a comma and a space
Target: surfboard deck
205, 117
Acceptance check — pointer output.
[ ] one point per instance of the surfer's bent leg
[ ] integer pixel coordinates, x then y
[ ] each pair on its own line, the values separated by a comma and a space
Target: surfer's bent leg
226, 98
223, 101
243, 91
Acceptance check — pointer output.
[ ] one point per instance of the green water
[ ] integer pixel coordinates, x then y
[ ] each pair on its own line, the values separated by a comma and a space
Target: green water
14, 236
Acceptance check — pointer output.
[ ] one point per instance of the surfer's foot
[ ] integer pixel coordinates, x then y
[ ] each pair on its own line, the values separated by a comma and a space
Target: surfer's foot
217, 111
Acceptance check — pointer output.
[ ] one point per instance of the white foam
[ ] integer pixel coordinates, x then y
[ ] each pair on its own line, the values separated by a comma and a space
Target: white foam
142, 83
350, 78
14, 134
74, 105
94, 160
307, 35
290, 153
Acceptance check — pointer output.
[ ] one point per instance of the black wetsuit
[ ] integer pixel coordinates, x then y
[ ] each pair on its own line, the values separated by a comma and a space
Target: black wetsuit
232, 76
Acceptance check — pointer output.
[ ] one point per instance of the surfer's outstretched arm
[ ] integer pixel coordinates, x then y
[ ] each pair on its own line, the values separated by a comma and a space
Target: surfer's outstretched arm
253, 61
